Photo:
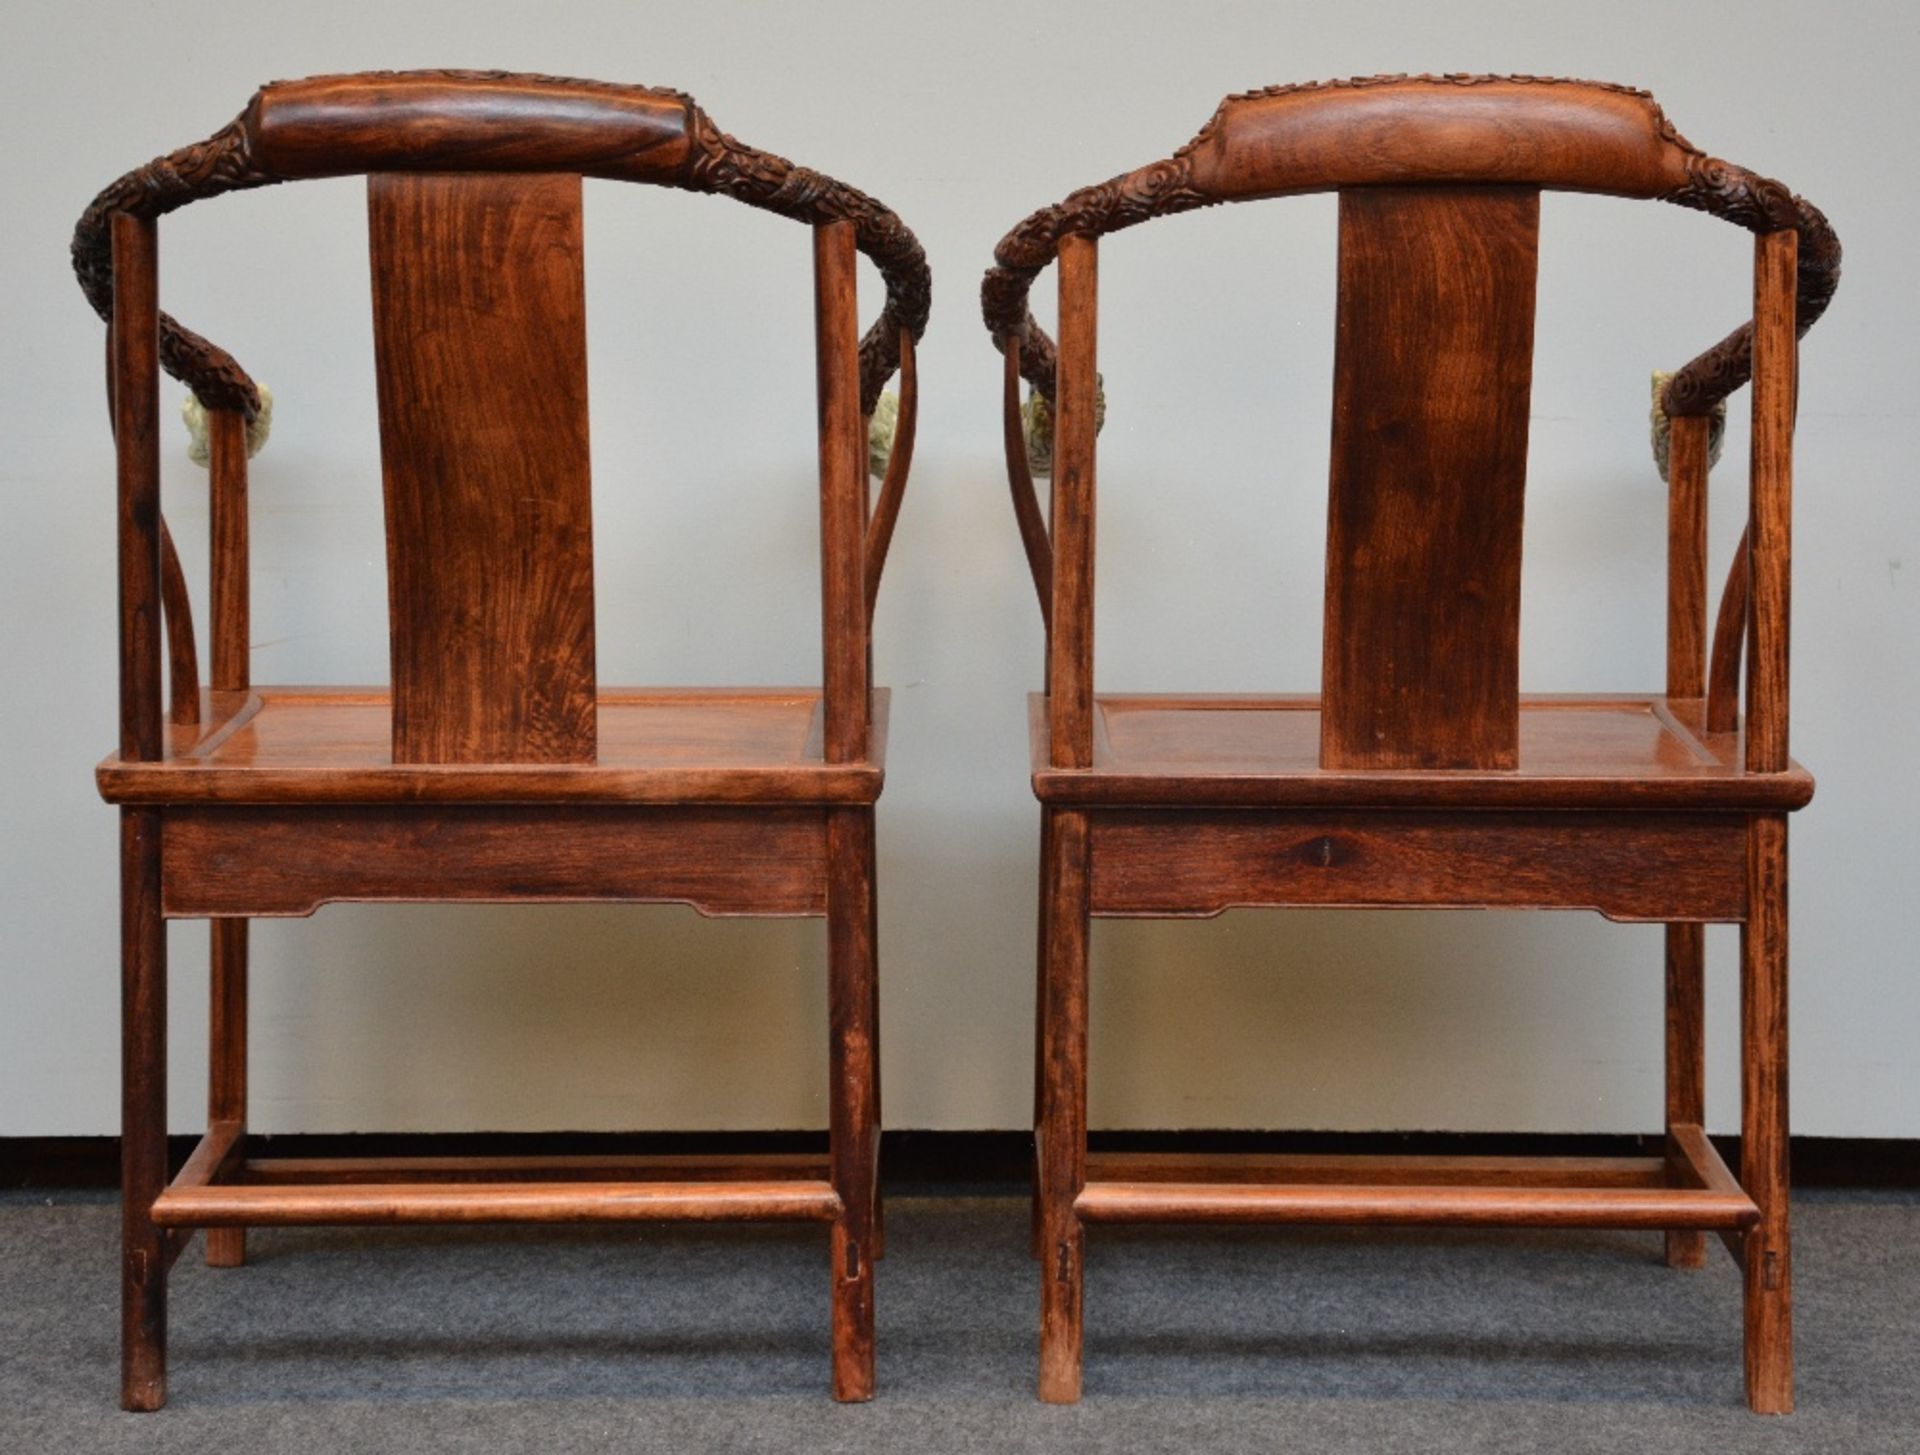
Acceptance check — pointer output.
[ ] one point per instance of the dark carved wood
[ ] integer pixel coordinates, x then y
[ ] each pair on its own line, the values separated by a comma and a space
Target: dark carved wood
392, 121
1760, 205
732, 169
1653, 160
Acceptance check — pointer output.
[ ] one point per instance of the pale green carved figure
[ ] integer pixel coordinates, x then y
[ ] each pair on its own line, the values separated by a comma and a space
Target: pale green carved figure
881, 426
1662, 426
1037, 416
195, 414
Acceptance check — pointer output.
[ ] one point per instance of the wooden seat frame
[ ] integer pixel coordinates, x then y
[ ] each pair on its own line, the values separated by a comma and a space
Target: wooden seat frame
1425, 791
507, 774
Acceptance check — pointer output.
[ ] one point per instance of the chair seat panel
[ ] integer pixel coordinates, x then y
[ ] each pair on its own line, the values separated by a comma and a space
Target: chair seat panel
664, 745
1575, 751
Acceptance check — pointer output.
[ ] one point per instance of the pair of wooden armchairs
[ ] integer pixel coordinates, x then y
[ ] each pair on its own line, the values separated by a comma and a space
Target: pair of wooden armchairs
495, 767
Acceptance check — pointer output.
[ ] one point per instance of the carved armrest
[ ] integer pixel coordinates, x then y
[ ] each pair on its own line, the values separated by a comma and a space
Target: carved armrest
488, 120
1760, 205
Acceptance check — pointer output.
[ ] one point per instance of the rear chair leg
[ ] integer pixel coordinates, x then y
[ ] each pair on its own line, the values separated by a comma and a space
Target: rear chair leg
227, 1070
143, 1113
1686, 1063
1063, 1110
852, 1005
1763, 1118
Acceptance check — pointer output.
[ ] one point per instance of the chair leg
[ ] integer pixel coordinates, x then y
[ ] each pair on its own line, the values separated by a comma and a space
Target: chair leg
1063, 1109
143, 1113
850, 1059
1036, 1231
877, 1237
1763, 1118
227, 1068
1686, 1062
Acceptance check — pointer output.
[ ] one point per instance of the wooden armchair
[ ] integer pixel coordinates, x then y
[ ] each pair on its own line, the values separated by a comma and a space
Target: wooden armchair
1420, 775
494, 768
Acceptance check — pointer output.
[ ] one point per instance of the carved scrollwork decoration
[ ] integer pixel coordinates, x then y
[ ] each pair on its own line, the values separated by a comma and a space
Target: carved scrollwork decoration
1159, 189
228, 162
1760, 205
224, 162
1163, 188
722, 165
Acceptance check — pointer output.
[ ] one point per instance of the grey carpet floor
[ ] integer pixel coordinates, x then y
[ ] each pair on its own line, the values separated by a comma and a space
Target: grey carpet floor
690, 1339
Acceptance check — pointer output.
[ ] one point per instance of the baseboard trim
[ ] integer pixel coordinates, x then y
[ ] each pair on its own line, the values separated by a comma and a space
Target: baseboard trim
919, 1161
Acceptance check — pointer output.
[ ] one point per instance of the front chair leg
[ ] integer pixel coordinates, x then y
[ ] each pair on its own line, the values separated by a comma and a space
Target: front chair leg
1063, 1111
852, 1004
1037, 1234
143, 1113
1763, 1118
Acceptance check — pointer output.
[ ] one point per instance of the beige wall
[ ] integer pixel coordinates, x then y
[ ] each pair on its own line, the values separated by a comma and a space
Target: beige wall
965, 117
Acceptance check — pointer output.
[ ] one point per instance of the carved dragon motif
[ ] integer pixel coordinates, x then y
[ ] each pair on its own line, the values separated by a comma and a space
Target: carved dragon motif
226, 162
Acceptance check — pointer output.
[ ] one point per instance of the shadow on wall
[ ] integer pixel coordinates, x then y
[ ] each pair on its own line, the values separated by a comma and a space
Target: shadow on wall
561, 1017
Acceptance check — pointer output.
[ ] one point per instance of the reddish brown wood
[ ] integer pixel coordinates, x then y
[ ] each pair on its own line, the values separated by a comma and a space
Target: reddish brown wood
1775, 391
212, 1155
1386, 1170
144, 1256
1433, 373
261, 861
1420, 776
1699, 1164
1580, 135
1729, 641
1686, 1082
1196, 863
498, 122
1762, 206
1687, 557
671, 745
1041, 984
1026, 500
497, 1202
893, 486
1570, 1207
843, 476
853, 1069
686, 1167
480, 343
231, 630
1764, 1171
495, 768
227, 1062
1375, 131
183, 657
1063, 1111
1070, 651
327, 126
1233, 751
136, 440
